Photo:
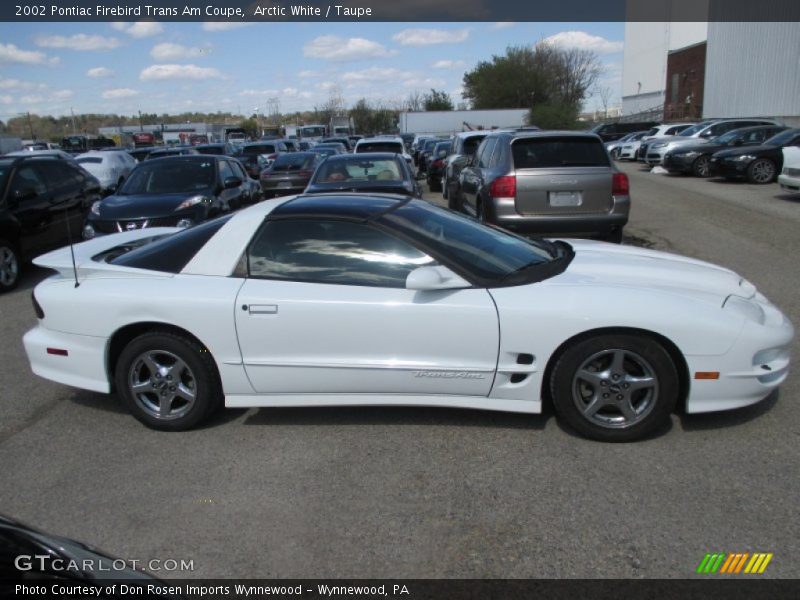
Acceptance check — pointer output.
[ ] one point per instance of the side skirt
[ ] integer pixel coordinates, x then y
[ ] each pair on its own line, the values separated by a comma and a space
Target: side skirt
474, 402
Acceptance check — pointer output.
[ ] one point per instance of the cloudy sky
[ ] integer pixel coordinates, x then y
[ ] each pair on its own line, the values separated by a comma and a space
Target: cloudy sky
49, 68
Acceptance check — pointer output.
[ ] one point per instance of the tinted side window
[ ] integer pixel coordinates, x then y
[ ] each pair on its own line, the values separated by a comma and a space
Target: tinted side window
486, 154
238, 170
25, 179
59, 174
332, 252
225, 170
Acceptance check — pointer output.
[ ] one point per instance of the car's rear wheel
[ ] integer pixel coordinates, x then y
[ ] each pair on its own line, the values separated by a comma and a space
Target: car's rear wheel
10, 266
761, 171
702, 166
168, 381
615, 388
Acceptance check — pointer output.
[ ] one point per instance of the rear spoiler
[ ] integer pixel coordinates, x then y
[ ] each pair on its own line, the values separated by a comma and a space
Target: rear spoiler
61, 259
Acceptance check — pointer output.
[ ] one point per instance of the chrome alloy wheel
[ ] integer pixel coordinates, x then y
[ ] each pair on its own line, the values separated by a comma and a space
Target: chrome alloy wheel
762, 171
615, 388
703, 166
9, 267
162, 384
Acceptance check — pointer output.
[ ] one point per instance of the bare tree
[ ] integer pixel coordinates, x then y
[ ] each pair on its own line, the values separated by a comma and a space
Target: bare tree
604, 93
414, 101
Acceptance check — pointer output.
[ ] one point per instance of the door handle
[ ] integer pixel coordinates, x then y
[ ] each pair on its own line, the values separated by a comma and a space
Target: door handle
263, 309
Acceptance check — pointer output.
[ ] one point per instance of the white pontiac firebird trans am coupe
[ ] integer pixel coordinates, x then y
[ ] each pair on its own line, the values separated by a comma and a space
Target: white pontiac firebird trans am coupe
378, 300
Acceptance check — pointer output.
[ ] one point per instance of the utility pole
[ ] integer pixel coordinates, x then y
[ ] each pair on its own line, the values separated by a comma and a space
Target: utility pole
30, 126
72, 115
141, 127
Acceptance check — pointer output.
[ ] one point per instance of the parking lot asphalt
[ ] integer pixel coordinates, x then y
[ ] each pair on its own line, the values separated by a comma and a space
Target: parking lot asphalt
396, 492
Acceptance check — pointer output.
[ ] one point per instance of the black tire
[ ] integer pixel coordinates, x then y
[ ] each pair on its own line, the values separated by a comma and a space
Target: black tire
454, 200
648, 409
204, 380
10, 266
615, 237
434, 186
701, 166
761, 171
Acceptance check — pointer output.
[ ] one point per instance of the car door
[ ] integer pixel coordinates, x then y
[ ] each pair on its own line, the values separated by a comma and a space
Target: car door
325, 310
68, 201
472, 176
229, 197
28, 201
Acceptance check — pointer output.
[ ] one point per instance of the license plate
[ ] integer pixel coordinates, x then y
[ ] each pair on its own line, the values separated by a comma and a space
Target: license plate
284, 184
564, 198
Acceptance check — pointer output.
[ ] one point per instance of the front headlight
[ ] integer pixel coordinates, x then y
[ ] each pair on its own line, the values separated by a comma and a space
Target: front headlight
189, 202
743, 158
96, 208
659, 145
745, 308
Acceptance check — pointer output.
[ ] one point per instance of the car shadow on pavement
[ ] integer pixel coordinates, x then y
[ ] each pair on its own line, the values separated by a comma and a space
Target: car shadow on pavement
396, 415
31, 277
794, 198
728, 418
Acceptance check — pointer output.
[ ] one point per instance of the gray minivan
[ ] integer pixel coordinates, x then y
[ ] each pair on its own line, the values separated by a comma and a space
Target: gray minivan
546, 183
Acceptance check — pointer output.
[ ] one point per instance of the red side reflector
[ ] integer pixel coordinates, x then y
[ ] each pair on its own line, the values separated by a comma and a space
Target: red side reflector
706, 375
57, 351
504, 187
620, 185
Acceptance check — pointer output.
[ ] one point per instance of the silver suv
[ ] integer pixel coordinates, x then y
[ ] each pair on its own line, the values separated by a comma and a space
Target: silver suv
546, 183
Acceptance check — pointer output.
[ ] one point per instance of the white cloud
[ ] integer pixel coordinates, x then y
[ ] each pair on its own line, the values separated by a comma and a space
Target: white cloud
259, 92
117, 93
427, 82
326, 85
448, 64
31, 99
17, 84
223, 25
6, 99
139, 29
79, 41
585, 41
309, 74
502, 25
333, 47
428, 37
99, 72
11, 54
374, 74
155, 72
63, 94
169, 51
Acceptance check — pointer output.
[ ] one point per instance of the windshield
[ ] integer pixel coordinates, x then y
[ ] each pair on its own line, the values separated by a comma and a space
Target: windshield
171, 177
490, 253
312, 131
727, 138
690, 131
210, 149
380, 147
294, 161
87, 160
567, 151
359, 170
259, 149
783, 138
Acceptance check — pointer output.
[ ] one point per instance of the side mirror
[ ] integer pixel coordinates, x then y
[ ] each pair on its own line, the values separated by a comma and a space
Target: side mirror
231, 182
434, 278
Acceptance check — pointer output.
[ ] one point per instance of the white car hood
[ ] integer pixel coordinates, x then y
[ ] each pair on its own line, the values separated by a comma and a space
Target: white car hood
599, 263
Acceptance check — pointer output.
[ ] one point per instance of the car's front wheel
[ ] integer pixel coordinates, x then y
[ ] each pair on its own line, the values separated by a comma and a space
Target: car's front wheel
9, 266
615, 388
701, 166
761, 170
168, 381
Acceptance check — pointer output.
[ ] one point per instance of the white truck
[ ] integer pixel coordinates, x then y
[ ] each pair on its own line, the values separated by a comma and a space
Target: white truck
341, 126
448, 122
10, 143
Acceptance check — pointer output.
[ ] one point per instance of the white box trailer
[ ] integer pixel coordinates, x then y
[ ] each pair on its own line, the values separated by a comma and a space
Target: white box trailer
10, 143
447, 122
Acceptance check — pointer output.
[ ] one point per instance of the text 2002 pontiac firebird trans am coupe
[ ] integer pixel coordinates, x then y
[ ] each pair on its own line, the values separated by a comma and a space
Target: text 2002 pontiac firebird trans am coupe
340, 299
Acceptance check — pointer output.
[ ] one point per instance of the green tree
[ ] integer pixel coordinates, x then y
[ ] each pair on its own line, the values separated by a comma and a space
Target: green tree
437, 100
546, 77
250, 127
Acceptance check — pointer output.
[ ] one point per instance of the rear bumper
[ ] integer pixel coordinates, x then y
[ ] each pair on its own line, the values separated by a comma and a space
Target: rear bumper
502, 212
84, 366
789, 183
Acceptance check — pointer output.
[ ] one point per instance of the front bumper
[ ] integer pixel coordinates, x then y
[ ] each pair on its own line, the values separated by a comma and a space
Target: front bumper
502, 212
655, 156
83, 367
751, 370
679, 163
728, 168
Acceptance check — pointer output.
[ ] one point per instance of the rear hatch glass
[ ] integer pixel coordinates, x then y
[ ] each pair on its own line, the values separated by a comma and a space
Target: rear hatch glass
562, 175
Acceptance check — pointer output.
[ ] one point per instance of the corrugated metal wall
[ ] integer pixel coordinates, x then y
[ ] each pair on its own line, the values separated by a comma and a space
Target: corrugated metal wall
753, 70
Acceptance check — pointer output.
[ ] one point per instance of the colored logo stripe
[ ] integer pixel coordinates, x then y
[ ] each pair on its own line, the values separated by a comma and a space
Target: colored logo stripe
734, 563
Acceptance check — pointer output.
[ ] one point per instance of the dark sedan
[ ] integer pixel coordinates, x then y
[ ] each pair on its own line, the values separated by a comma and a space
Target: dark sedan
171, 192
340, 140
436, 165
219, 148
379, 172
174, 151
756, 164
290, 173
695, 159
425, 153
259, 155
